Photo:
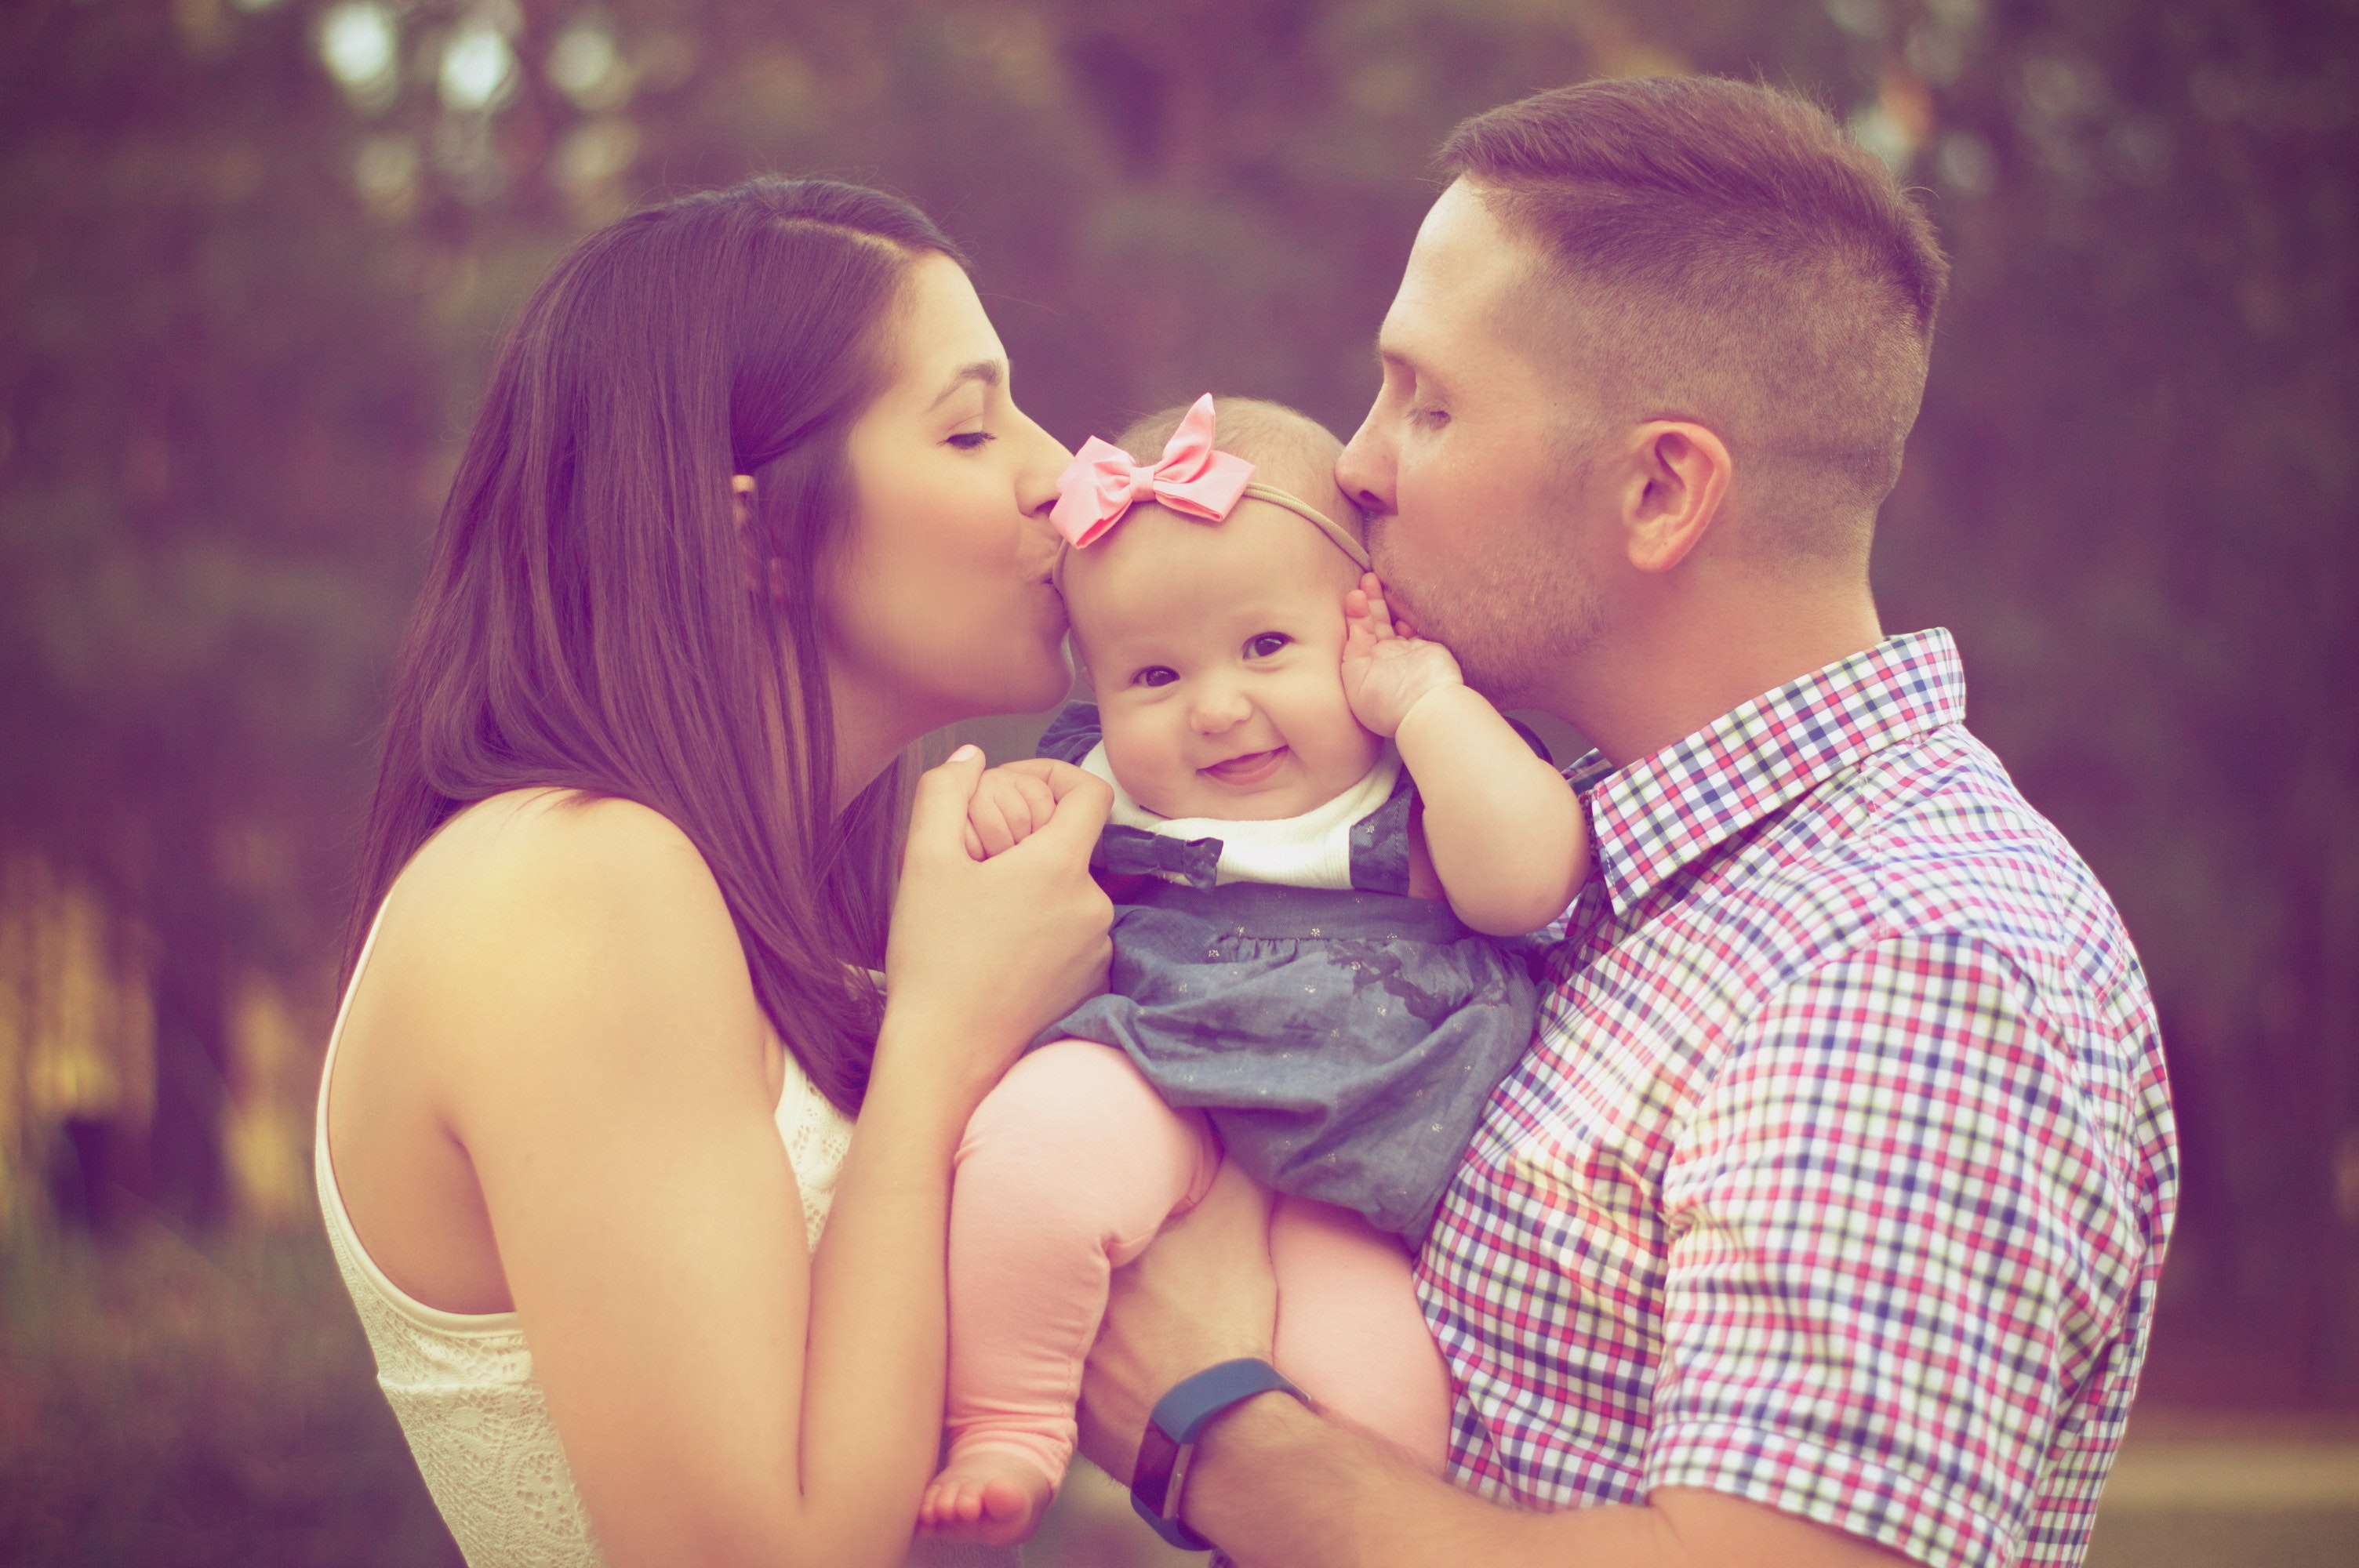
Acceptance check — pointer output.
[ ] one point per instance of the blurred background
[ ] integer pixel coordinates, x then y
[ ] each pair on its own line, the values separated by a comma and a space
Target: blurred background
254, 258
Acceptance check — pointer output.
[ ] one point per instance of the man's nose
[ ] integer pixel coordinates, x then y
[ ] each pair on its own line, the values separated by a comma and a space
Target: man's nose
1364, 471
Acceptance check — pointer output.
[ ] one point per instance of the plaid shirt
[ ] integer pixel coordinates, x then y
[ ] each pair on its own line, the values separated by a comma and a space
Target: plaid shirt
1839, 1174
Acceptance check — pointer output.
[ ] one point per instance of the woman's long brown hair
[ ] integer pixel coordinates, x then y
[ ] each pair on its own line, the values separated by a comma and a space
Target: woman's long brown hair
590, 621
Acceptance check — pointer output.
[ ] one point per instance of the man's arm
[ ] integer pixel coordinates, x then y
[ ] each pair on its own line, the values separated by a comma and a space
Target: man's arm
1899, 1245
1274, 1483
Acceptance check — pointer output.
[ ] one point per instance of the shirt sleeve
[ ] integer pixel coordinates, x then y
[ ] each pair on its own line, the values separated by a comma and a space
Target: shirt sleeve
1897, 1251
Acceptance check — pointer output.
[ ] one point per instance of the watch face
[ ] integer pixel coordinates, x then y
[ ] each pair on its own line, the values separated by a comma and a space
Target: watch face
1152, 1490
1150, 1477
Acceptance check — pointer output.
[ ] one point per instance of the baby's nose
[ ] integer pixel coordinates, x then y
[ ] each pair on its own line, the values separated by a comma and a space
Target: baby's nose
1220, 710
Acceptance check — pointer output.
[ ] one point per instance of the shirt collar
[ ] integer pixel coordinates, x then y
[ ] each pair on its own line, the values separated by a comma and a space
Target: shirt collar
1664, 811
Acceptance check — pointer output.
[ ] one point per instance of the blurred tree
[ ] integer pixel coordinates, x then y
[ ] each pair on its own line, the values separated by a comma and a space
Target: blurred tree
256, 254
215, 405
2134, 491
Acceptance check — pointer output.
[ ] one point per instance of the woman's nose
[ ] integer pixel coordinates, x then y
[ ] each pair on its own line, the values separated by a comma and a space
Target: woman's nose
1045, 460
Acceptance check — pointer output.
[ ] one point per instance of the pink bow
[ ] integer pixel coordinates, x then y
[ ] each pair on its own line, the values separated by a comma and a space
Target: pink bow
1102, 482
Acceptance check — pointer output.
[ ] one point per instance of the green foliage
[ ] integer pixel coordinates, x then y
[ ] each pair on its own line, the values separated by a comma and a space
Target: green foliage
247, 310
2133, 492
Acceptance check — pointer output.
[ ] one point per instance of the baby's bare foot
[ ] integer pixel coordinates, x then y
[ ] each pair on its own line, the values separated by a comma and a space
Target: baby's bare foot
990, 1496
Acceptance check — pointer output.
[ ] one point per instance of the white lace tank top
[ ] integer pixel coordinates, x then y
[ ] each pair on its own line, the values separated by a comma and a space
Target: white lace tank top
463, 1388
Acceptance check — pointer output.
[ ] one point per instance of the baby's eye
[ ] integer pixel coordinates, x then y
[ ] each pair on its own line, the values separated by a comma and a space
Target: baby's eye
1154, 675
971, 440
1431, 418
1266, 643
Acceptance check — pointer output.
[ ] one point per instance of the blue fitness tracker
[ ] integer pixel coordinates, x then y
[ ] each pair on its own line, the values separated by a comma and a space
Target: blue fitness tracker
1169, 1442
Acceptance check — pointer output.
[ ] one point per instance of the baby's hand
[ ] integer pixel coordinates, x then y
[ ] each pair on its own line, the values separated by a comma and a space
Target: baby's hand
1386, 666
1012, 802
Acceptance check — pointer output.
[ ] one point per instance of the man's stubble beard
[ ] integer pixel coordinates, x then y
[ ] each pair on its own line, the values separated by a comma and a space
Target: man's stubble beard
1514, 620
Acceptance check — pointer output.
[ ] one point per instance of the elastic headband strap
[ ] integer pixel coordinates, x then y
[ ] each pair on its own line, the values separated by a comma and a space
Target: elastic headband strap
1337, 534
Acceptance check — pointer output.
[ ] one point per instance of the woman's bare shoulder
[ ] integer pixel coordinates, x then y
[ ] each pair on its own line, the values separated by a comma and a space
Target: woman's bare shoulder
549, 903
561, 856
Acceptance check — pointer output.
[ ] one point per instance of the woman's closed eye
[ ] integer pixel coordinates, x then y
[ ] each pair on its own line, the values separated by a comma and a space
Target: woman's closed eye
1262, 646
971, 440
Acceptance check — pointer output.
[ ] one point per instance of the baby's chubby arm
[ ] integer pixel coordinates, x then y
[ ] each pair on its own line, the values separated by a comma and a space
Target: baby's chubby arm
1014, 801
1506, 833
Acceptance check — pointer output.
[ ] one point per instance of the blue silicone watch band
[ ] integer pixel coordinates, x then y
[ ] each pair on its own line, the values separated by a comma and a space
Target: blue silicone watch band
1179, 1417
1193, 1401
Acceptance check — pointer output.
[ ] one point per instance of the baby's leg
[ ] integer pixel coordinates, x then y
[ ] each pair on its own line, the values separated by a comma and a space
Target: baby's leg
1350, 1332
1068, 1170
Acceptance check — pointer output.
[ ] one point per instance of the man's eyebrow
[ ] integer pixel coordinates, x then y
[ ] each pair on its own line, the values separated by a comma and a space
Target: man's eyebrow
987, 371
1407, 364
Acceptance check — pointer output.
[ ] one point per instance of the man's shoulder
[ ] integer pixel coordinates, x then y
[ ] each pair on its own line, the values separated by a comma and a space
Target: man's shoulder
1933, 838
1920, 848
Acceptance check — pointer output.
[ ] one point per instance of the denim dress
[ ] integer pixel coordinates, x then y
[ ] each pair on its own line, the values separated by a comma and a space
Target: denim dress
1342, 1041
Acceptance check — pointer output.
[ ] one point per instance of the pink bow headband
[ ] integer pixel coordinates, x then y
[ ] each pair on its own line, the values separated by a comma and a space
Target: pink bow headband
1102, 484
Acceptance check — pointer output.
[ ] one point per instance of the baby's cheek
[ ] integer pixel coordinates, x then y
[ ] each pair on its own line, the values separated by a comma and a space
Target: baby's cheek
1327, 736
1143, 756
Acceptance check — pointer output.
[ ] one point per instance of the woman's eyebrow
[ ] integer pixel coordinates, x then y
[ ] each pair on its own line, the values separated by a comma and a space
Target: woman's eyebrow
987, 371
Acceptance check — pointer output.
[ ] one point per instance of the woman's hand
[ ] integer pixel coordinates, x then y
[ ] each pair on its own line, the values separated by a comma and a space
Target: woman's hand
983, 955
1386, 666
1202, 1293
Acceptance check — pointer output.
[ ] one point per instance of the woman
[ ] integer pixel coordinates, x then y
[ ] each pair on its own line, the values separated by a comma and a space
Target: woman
747, 511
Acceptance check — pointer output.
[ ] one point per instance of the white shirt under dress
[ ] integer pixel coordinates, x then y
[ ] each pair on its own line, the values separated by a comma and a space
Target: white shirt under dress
462, 1384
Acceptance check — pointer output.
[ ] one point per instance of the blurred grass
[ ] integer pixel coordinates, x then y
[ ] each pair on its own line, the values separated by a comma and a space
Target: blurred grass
164, 1403
2304, 1537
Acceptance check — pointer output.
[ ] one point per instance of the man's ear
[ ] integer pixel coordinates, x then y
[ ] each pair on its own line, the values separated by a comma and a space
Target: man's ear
1677, 479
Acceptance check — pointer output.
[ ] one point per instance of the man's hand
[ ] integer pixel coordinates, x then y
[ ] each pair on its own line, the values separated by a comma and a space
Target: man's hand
1203, 1293
1386, 666
1014, 801
1274, 1483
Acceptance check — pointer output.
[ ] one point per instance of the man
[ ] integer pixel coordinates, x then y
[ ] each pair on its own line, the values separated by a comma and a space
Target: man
1822, 1222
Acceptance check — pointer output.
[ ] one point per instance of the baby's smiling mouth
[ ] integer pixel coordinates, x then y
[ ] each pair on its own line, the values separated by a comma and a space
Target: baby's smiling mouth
1249, 769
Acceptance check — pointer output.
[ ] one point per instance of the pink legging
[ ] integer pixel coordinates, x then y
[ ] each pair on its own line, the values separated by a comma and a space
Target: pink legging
1067, 1171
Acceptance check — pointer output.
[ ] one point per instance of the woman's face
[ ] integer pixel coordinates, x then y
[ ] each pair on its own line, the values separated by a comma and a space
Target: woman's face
940, 604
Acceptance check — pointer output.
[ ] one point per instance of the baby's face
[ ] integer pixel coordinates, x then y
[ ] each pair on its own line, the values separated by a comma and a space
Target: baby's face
1216, 650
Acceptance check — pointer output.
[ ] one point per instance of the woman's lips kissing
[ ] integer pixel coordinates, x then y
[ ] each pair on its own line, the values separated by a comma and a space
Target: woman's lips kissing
1251, 768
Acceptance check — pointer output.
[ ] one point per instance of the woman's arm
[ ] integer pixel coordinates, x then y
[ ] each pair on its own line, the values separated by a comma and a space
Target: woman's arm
1505, 832
962, 1003
603, 1066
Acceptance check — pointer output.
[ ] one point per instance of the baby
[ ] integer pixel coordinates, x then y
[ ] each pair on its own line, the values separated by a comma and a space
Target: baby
1316, 823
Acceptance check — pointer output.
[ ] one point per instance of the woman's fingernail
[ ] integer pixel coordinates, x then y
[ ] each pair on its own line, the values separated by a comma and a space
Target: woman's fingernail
964, 752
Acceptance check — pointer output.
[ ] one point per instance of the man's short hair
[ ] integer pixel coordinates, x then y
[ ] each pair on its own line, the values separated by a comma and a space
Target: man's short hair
1722, 252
